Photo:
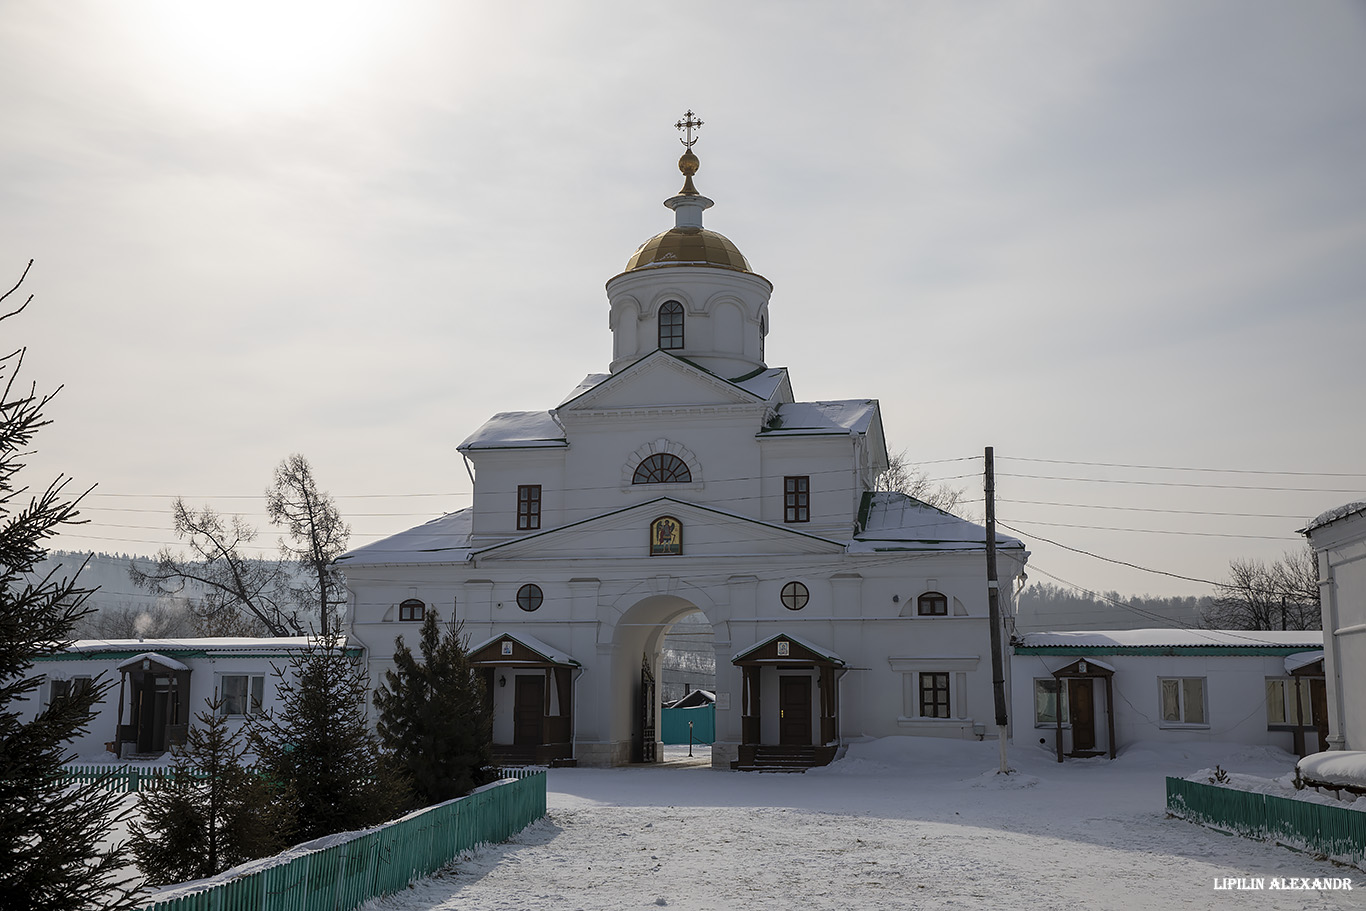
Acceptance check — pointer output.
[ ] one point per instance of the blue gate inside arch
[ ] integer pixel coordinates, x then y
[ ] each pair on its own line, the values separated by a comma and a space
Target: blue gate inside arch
674, 724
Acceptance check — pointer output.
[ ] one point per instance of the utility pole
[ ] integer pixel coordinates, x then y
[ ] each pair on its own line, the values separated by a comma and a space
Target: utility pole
998, 680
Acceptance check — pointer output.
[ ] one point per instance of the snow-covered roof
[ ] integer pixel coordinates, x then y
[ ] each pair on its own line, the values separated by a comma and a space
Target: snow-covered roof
1174, 638
1092, 661
1301, 659
1340, 767
548, 652
169, 663
445, 539
586, 384
894, 521
763, 383
161, 649
809, 646
821, 418
695, 699
1332, 515
517, 430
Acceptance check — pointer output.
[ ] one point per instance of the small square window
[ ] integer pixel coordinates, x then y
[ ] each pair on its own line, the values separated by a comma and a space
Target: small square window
528, 507
797, 498
1046, 701
412, 610
1183, 700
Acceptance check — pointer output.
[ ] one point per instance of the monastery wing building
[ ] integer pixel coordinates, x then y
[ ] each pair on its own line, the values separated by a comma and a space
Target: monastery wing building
687, 479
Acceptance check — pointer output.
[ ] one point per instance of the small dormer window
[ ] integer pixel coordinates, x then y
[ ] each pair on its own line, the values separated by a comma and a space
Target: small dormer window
671, 326
662, 468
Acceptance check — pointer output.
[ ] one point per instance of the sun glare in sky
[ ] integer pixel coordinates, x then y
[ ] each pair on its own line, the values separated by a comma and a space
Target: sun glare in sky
260, 54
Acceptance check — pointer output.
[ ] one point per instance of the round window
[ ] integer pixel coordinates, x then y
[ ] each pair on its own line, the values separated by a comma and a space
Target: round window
529, 597
795, 596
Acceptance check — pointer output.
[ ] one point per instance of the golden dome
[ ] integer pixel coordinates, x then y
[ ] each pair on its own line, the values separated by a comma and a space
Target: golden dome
688, 246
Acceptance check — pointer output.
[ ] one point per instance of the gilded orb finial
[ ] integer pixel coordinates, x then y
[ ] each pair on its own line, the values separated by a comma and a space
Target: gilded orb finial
688, 164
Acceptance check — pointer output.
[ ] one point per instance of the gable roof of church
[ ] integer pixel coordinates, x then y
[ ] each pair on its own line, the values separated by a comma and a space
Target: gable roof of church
588, 390
681, 507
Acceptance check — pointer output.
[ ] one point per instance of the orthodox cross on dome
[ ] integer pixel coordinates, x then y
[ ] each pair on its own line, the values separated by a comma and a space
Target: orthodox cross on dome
688, 124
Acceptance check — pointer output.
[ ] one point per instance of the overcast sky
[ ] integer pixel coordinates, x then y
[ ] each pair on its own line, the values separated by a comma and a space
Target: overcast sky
1127, 234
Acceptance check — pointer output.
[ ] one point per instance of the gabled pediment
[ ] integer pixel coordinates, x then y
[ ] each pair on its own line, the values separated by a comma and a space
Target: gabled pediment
660, 380
704, 532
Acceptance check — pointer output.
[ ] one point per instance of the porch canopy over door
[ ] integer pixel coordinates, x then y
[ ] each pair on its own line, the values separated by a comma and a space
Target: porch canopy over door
1087, 669
789, 652
159, 703
512, 652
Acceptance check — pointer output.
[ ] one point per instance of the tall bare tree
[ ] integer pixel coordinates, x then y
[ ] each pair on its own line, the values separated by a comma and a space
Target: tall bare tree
317, 535
236, 587
903, 476
1283, 594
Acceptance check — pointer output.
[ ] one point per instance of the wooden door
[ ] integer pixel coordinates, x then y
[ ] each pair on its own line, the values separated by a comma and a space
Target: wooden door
528, 710
1082, 712
1318, 702
794, 711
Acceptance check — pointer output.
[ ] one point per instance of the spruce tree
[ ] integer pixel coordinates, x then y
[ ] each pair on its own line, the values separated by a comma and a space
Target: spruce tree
318, 750
52, 833
434, 715
210, 814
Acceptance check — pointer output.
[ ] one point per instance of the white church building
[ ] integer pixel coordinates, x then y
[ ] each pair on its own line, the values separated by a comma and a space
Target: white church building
689, 478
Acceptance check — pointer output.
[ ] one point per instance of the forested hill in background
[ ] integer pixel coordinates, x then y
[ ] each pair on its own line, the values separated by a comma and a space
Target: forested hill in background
121, 610
1046, 607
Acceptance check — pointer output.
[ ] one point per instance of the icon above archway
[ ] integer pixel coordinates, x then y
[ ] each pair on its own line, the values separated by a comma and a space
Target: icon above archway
666, 537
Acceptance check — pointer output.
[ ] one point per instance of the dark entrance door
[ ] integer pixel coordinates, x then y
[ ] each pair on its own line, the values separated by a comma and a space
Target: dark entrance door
1082, 713
794, 711
1318, 702
528, 711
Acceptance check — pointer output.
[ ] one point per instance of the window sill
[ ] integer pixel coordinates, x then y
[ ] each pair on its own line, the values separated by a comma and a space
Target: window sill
934, 725
1176, 726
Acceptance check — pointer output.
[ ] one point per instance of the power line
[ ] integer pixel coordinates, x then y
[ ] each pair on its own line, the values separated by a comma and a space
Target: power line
1087, 553
1160, 531
1039, 477
1180, 512
1305, 474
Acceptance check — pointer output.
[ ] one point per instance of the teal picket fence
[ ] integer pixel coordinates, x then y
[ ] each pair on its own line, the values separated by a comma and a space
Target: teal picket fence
673, 726
1337, 832
132, 778
379, 862
122, 776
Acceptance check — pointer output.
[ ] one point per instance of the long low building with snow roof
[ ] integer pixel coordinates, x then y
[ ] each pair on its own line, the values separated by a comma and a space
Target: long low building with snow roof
688, 479
1093, 693
157, 687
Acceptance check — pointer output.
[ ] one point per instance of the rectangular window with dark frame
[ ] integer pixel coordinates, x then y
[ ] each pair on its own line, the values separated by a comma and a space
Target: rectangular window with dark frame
934, 695
797, 498
241, 694
528, 507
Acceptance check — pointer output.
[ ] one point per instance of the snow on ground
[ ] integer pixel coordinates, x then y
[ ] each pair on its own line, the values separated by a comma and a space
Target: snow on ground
898, 823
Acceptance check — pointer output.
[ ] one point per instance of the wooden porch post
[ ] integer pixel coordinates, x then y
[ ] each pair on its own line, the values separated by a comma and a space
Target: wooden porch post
1057, 714
1110, 713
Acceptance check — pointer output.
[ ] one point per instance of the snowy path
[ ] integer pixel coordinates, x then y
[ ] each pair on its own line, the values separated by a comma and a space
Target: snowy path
919, 829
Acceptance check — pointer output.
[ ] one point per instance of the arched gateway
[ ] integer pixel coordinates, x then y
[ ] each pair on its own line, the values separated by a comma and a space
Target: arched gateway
688, 477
